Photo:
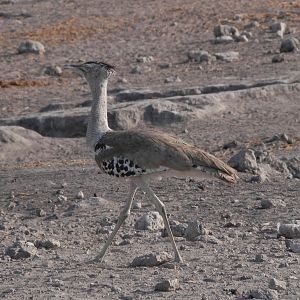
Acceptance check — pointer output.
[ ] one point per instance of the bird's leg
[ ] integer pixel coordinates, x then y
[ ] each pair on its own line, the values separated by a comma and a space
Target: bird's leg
162, 211
122, 217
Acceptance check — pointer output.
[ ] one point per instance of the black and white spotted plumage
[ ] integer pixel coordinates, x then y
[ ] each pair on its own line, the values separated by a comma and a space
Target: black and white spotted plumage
118, 166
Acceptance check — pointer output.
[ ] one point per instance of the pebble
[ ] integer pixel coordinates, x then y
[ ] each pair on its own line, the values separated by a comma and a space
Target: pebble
237, 17
289, 45
150, 221
31, 47
253, 24
293, 246
61, 199
290, 231
167, 285
279, 28
242, 38
261, 258
144, 59
228, 56
200, 56
53, 71
80, 195
225, 30
245, 160
151, 260
57, 283
172, 79
271, 203
20, 250
47, 244
277, 285
278, 58
137, 205
223, 39
140, 70
40, 212
194, 229
264, 294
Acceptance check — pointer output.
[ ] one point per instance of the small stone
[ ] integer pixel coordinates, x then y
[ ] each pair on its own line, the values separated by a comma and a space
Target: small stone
260, 178
167, 285
264, 294
225, 30
150, 221
151, 260
245, 160
290, 231
53, 71
40, 212
165, 65
31, 47
20, 250
231, 144
289, 45
242, 38
278, 58
284, 264
227, 56
140, 70
261, 258
47, 244
279, 28
11, 205
172, 79
137, 205
253, 24
247, 34
80, 195
194, 229
57, 283
293, 246
144, 59
271, 203
277, 285
61, 199
223, 39
200, 56
237, 17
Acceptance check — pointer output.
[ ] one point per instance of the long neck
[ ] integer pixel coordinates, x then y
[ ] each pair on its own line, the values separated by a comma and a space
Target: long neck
97, 121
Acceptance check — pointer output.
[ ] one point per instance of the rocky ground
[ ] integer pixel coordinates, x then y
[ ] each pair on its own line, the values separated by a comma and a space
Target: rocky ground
232, 90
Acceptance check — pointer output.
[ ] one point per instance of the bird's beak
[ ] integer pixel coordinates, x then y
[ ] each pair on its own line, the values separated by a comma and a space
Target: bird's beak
73, 68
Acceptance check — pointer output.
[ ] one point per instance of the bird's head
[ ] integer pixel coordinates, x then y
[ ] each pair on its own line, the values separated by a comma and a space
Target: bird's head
93, 70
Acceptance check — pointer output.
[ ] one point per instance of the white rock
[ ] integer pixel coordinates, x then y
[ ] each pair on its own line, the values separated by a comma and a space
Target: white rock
279, 28
244, 160
167, 285
225, 30
31, 47
290, 231
277, 285
80, 195
150, 221
151, 260
228, 56
223, 39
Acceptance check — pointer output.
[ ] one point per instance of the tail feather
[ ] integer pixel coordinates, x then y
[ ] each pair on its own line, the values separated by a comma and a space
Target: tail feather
212, 164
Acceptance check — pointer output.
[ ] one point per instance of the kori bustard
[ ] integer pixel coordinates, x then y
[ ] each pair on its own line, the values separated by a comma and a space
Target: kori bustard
139, 155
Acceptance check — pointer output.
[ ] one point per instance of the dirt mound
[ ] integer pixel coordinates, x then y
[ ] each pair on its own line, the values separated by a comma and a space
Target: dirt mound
17, 142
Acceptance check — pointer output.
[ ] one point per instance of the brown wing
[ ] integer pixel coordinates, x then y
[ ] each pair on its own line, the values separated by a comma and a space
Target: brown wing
152, 149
